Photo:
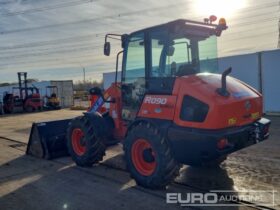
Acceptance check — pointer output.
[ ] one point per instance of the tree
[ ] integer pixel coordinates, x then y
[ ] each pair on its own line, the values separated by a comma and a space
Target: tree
4, 84
85, 86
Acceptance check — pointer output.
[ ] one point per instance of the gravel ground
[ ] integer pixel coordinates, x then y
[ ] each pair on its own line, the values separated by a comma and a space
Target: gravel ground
30, 183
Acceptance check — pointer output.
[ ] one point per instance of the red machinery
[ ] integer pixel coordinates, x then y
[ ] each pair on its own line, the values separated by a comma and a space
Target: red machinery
28, 100
166, 111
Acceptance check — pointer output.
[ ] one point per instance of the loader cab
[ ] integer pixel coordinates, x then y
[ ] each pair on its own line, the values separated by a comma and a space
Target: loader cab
154, 57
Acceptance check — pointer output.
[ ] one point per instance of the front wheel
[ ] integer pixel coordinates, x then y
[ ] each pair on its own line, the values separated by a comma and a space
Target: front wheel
84, 142
149, 157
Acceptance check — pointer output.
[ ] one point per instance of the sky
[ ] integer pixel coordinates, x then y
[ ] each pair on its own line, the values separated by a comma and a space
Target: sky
56, 39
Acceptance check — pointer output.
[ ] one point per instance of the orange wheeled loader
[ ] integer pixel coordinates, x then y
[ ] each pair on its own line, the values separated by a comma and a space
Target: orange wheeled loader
169, 108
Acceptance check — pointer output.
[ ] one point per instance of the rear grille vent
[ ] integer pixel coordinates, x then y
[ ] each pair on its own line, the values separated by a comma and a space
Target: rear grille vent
193, 110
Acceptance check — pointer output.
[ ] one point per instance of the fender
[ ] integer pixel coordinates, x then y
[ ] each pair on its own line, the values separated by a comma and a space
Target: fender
97, 120
162, 125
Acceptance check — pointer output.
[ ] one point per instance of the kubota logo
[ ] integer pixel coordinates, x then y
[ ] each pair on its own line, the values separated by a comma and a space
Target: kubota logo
155, 100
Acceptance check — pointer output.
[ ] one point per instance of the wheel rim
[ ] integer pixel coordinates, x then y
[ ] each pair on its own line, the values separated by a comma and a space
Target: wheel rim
77, 138
144, 167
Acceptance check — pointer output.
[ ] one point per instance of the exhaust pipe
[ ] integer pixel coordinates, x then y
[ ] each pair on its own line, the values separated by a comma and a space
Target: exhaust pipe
223, 90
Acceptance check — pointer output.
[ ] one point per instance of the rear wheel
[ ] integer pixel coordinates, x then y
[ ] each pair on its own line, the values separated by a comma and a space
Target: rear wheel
8, 110
149, 157
29, 109
84, 142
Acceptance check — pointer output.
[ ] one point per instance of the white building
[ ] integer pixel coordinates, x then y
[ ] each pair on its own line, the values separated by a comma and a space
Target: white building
65, 90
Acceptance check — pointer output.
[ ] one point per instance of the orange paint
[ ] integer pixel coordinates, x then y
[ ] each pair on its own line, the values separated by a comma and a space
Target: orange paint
158, 106
221, 109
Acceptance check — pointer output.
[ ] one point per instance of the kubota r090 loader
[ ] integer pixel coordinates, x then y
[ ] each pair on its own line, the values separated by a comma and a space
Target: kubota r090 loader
168, 109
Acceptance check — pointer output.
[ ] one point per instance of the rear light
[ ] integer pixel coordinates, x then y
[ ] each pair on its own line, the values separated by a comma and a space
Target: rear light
222, 144
261, 130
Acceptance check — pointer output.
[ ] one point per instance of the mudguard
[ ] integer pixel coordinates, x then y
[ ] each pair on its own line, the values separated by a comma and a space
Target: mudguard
104, 125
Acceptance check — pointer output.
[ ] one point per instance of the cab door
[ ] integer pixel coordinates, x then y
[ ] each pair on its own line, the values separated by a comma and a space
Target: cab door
133, 76
159, 79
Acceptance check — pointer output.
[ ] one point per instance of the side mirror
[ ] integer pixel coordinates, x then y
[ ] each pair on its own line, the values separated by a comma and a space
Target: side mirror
107, 48
170, 51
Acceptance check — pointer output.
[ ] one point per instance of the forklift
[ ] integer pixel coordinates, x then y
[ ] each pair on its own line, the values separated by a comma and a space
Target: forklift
12, 102
51, 100
168, 109
28, 99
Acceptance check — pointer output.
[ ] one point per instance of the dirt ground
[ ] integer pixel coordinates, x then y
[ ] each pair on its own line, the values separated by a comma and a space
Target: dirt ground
30, 183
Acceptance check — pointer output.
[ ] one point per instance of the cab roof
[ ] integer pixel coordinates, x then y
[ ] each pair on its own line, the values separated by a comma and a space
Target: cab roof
207, 28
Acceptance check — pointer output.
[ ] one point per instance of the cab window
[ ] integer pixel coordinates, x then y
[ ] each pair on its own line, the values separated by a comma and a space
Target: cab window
135, 66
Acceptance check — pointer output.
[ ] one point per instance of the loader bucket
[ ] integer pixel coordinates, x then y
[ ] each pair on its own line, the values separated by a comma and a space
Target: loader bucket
48, 139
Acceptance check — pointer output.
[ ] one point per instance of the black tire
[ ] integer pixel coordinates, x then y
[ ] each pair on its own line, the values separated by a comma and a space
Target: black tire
166, 168
8, 111
29, 109
93, 141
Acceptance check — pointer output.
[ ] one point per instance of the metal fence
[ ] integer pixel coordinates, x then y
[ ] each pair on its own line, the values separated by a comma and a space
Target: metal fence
260, 70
